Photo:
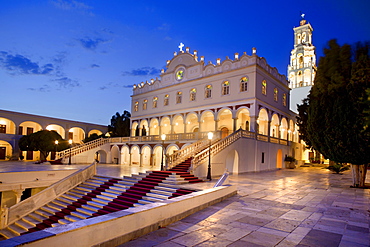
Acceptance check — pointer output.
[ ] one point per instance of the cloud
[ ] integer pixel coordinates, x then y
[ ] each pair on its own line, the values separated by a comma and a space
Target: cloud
66, 83
94, 66
90, 44
43, 89
19, 64
72, 5
144, 71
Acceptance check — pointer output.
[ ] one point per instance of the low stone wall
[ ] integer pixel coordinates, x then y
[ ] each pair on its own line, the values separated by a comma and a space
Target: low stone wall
122, 226
29, 205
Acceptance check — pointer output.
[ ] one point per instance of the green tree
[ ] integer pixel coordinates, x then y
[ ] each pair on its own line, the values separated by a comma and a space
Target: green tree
92, 137
43, 141
120, 125
332, 117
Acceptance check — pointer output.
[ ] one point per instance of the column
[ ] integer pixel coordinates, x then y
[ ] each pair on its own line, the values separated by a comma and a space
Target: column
18, 193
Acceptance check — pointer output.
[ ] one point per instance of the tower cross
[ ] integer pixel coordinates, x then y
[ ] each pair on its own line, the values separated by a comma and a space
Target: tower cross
181, 46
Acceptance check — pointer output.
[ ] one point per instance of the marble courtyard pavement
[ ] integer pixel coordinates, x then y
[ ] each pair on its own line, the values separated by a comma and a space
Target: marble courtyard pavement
307, 206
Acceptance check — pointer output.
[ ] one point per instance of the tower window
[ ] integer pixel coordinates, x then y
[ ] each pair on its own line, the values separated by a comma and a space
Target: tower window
145, 104
166, 99
276, 94
155, 100
208, 91
264, 87
284, 99
178, 97
136, 106
193, 94
243, 84
225, 88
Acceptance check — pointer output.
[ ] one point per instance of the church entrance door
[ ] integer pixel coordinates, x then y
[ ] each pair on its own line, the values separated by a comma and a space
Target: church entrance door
2, 153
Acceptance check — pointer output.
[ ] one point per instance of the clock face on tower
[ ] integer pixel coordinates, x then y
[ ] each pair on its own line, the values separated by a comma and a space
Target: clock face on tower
180, 74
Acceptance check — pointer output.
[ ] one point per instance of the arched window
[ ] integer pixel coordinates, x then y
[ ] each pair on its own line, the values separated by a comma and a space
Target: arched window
276, 94
178, 97
193, 94
284, 99
145, 103
264, 87
225, 88
208, 91
243, 84
136, 106
166, 99
155, 100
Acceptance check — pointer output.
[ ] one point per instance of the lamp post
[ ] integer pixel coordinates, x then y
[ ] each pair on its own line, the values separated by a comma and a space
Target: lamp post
70, 151
163, 137
210, 136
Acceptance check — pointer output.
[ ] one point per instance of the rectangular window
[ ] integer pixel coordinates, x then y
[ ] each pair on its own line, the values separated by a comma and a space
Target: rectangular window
20, 130
29, 130
2, 128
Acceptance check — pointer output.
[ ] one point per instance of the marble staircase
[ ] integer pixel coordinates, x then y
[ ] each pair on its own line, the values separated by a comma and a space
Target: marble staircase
103, 195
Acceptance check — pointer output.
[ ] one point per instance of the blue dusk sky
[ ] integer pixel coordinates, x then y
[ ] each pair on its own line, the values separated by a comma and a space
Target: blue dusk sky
78, 60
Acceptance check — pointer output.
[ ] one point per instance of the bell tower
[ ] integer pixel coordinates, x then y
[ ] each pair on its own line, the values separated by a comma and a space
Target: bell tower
302, 67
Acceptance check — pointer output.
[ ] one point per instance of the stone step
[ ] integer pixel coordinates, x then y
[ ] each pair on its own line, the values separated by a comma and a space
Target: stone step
38, 217
91, 208
100, 200
16, 229
31, 221
45, 211
72, 218
107, 198
115, 190
76, 192
63, 222
95, 204
55, 206
71, 196
25, 224
163, 197
7, 233
79, 215
61, 203
161, 192
65, 199
85, 211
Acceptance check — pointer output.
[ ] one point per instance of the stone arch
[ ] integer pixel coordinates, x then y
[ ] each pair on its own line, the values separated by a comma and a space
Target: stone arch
154, 126
146, 153
76, 134
178, 124
284, 129
115, 154
165, 125
59, 129
207, 121
134, 126
274, 126
144, 126
94, 131
125, 155
135, 155
279, 159
170, 149
232, 162
225, 120
7, 126
291, 130
28, 127
243, 119
157, 156
192, 123
101, 156
6, 150
262, 122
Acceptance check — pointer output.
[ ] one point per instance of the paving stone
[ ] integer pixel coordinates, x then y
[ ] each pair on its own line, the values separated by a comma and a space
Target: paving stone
283, 224
319, 238
262, 238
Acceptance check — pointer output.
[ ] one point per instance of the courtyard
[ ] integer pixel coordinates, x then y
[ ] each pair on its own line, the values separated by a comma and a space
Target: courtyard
307, 206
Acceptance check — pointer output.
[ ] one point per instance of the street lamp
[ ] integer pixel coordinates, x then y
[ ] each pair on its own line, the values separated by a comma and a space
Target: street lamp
163, 137
210, 136
70, 151
56, 149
